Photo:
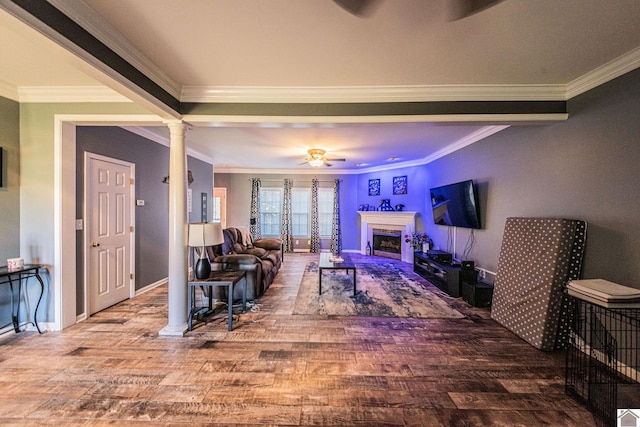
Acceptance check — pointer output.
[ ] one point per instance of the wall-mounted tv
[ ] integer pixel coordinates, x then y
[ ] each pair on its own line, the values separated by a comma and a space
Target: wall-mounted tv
455, 205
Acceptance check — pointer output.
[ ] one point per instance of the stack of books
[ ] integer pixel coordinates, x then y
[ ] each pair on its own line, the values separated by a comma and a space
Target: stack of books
604, 293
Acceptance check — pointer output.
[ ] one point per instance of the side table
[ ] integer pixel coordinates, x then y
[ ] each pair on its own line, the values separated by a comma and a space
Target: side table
16, 277
217, 278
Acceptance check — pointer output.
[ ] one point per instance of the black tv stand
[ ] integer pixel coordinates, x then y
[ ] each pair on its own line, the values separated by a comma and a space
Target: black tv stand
445, 276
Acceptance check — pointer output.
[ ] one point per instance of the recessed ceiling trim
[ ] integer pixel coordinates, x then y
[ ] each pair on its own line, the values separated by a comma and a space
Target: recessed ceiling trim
349, 94
69, 94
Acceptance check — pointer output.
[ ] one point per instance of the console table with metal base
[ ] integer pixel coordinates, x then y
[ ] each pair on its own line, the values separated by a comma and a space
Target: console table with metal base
217, 278
14, 279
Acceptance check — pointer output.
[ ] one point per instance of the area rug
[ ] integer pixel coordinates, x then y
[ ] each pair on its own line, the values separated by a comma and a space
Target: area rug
383, 290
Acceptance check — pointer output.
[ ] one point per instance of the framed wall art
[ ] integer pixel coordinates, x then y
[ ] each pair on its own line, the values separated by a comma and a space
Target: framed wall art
399, 185
374, 187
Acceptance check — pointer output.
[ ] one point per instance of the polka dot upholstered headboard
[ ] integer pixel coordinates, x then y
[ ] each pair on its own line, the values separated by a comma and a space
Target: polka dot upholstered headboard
538, 257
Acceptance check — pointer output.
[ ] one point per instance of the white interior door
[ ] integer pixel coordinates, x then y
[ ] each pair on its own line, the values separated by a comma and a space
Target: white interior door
109, 238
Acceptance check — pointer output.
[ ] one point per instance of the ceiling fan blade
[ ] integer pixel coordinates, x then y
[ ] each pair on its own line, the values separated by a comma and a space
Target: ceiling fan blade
356, 7
336, 160
328, 164
462, 8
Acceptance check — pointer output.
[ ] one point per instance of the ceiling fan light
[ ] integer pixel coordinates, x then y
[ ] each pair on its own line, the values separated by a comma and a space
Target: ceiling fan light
316, 163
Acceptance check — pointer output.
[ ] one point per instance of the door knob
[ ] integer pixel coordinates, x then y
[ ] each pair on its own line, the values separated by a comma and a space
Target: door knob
95, 244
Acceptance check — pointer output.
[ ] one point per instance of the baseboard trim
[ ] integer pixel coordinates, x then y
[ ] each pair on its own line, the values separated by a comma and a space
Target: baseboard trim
152, 286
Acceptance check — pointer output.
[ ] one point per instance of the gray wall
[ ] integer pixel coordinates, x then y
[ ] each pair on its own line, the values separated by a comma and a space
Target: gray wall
9, 194
10, 189
585, 168
152, 220
239, 200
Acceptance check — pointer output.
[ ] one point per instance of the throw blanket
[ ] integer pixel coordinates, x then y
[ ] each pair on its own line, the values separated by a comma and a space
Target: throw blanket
245, 236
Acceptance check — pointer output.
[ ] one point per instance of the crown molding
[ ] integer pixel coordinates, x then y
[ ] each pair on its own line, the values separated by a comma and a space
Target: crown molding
152, 136
605, 73
69, 94
352, 94
9, 91
313, 171
85, 16
476, 136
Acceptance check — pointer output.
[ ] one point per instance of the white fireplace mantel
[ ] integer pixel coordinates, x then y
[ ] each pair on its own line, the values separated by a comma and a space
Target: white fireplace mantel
404, 221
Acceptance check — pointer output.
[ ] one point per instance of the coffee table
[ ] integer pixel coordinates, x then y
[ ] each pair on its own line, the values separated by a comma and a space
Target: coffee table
326, 264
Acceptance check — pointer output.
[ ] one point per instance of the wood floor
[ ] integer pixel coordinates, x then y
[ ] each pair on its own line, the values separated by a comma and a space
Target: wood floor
275, 368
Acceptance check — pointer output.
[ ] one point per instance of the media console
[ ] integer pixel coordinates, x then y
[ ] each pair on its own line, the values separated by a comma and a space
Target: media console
447, 277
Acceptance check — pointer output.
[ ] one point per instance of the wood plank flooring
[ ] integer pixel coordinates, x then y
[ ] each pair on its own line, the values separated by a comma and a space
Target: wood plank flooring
278, 369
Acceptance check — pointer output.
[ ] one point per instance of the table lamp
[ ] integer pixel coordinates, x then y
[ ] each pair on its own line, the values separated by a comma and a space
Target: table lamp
202, 234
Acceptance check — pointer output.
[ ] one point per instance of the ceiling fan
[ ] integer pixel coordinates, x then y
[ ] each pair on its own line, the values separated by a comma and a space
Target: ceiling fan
316, 158
459, 8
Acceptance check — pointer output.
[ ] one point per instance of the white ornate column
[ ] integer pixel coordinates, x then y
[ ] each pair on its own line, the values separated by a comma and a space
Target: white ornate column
178, 264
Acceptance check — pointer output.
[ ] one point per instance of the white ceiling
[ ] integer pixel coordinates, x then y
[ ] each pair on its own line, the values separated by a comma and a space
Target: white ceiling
315, 51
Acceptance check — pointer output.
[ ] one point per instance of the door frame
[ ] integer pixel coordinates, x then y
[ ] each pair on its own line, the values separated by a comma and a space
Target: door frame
85, 229
223, 206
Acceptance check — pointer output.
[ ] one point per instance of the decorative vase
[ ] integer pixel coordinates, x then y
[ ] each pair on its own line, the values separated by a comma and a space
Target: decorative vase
203, 269
385, 205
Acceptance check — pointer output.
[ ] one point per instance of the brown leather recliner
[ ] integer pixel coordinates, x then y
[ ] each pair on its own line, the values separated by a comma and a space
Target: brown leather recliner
261, 259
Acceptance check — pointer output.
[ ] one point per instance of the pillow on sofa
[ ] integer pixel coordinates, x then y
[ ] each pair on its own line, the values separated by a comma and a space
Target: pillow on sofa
259, 252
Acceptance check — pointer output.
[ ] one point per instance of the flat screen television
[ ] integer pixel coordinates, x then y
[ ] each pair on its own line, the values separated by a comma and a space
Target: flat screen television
455, 205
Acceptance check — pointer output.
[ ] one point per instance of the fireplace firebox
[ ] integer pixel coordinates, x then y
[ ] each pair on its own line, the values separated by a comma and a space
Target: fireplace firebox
387, 243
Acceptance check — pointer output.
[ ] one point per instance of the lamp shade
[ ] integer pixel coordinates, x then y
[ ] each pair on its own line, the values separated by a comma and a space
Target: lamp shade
205, 234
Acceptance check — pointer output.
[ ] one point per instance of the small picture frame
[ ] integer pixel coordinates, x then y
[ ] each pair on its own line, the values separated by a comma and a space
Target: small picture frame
399, 185
374, 187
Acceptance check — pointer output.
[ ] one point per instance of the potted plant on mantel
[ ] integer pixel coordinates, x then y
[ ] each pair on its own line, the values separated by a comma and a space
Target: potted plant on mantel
420, 241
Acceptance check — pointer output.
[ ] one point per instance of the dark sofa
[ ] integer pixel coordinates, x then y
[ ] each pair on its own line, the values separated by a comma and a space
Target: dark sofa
261, 259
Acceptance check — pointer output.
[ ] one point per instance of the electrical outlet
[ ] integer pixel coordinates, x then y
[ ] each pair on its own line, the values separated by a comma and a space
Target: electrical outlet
297, 242
308, 242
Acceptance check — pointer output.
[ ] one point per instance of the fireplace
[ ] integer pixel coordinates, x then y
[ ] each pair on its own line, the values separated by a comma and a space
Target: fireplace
387, 243
391, 222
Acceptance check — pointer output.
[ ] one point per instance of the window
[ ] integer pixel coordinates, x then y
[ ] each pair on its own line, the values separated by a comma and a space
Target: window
270, 211
300, 211
325, 211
